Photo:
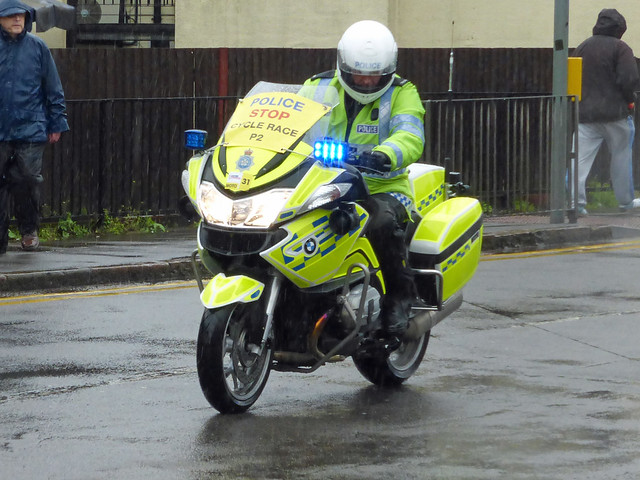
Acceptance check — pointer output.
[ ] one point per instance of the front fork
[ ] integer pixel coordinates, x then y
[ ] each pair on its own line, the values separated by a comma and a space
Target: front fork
274, 293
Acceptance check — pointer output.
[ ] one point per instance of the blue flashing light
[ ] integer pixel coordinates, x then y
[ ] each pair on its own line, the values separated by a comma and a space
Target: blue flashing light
195, 139
331, 152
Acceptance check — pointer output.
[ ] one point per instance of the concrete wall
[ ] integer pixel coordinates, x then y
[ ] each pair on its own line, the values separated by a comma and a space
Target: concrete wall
269, 23
415, 23
54, 37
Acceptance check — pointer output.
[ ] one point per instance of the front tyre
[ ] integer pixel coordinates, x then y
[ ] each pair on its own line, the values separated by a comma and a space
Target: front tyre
397, 367
232, 370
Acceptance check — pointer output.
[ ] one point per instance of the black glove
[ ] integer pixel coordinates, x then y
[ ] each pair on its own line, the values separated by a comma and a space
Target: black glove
375, 161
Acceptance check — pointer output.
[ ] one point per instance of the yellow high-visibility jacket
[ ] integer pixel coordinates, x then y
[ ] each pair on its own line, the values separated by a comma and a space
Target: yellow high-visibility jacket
393, 124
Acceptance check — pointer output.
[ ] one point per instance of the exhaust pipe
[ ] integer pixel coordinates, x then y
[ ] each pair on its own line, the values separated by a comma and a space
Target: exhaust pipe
426, 320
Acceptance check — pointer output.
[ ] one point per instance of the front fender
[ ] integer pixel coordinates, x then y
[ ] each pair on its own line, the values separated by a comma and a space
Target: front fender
223, 290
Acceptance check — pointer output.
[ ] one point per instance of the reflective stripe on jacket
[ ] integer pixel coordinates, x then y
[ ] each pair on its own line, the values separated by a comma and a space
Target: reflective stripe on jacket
393, 124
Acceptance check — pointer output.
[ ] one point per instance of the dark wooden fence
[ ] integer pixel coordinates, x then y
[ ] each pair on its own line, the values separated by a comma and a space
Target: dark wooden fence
128, 108
152, 73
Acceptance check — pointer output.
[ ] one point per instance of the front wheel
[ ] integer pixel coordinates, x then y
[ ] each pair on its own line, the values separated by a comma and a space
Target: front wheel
398, 366
231, 368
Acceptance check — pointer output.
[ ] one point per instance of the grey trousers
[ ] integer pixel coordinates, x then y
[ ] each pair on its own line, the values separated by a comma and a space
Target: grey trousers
618, 136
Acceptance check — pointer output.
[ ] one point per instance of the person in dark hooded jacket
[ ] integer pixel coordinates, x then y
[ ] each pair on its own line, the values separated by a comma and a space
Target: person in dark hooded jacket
32, 113
610, 79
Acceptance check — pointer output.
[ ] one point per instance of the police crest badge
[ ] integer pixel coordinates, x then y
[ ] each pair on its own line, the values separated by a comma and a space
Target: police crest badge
245, 162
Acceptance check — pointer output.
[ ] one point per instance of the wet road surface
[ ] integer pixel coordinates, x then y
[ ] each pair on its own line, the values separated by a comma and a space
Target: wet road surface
535, 377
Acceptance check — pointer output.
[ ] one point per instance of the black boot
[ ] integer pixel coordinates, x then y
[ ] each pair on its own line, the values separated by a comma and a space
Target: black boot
4, 233
4, 240
395, 315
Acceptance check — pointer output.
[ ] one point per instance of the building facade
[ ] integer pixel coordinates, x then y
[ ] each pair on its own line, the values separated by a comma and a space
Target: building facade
415, 23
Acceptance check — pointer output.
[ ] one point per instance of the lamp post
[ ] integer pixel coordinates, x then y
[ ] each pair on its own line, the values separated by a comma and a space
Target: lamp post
559, 131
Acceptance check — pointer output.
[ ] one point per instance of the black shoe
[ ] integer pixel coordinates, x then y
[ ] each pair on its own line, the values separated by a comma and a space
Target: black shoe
395, 317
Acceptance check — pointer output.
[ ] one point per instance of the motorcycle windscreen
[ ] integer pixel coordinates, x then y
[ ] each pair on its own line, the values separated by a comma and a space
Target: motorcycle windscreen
270, 133
272, 121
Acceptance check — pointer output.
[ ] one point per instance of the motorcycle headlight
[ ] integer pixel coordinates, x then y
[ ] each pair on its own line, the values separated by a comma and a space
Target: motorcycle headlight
259, 211
324, 195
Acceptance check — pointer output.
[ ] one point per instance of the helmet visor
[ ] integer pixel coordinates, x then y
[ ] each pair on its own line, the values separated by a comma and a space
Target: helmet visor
366, 67
366, 83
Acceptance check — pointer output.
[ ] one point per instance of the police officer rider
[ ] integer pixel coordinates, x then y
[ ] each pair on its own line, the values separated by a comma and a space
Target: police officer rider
382, 114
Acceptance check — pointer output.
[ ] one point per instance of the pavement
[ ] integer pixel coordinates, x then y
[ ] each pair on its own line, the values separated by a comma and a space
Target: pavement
161, 257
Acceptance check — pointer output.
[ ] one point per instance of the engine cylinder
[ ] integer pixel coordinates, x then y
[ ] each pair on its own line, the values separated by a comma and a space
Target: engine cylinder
371, 305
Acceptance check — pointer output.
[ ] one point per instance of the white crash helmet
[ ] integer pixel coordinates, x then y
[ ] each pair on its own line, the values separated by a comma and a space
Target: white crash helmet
367, 48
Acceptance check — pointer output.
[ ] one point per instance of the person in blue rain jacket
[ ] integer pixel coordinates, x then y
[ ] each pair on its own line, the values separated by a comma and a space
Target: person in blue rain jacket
32, 114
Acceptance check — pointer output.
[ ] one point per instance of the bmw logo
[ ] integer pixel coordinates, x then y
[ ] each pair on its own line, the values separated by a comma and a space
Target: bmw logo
310, 246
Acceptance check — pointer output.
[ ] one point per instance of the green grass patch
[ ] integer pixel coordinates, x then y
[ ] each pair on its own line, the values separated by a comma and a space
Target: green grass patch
67, 227
600, 195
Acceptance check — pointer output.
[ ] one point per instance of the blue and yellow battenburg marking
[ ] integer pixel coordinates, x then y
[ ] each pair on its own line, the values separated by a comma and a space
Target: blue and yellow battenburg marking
299, 251
434, 197
458, 269
312, 252
459, 255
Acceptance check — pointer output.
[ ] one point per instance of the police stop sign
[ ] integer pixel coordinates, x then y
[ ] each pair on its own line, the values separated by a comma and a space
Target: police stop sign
273, 120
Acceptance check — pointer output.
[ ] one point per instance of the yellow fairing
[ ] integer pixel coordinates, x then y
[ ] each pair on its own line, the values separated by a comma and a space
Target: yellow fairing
193, 167
362, 253
244, 166
312, 253
427, 182
317, 175
223, 290
450, 237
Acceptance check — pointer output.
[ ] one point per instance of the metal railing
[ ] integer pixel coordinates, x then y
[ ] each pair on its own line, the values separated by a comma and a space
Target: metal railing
502, 147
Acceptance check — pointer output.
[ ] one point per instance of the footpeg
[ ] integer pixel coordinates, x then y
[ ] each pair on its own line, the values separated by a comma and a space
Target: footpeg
377, 347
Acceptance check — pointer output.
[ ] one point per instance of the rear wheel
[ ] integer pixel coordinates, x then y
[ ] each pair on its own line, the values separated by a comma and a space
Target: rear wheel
398, 366
232, 370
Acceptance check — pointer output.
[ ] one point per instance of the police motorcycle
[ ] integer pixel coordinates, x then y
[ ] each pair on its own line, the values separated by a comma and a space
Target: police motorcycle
295, 281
